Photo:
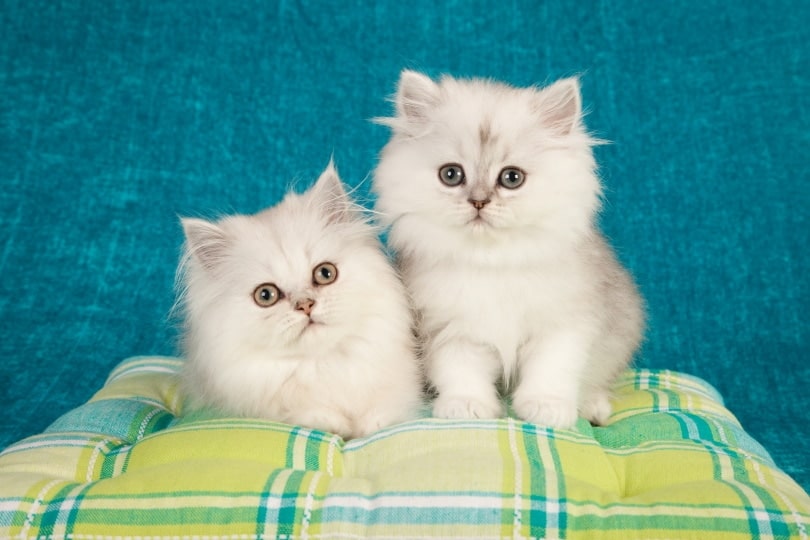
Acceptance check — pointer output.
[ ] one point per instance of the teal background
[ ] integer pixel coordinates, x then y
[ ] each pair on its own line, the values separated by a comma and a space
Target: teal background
118, 116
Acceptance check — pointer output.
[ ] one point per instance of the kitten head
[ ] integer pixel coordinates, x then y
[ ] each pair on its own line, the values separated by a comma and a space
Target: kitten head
293, 280
480, 167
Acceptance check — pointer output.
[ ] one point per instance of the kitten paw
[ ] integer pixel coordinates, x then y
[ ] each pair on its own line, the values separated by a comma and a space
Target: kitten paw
596, 409
454, 407
549, 412
376, 421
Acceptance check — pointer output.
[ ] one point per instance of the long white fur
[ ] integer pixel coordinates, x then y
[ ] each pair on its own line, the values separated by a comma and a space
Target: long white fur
533, 294
352, 373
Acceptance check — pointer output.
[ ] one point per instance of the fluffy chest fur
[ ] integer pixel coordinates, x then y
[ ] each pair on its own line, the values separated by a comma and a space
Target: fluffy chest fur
502, 306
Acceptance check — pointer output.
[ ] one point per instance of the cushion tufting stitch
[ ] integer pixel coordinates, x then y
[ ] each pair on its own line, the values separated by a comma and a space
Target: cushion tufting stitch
672, 463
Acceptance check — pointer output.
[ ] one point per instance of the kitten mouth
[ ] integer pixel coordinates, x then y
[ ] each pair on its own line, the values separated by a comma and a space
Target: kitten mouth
479, 221
309, 326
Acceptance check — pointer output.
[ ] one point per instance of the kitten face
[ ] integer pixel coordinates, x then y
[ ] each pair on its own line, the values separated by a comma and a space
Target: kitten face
289, 279
480, 162
291, 300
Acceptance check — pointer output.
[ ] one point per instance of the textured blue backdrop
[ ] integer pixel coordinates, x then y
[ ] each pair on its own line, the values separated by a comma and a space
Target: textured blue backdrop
116, 116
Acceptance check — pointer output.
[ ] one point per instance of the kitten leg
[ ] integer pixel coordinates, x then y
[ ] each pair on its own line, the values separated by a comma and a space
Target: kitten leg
549, 379
464, 374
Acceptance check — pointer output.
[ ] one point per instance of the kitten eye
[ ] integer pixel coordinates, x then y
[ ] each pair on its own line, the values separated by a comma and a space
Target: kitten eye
511, 178
452, 175
324, 274
266, 295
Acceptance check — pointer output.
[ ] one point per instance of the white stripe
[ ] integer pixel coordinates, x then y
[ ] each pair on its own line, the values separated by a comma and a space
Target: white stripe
778, 492
45, 443
10, 505
146, 420
38, 501
309, 501
93, 458
141, 369
721, 431
330, 456
795, 513
756, 504
516, 523
552, 485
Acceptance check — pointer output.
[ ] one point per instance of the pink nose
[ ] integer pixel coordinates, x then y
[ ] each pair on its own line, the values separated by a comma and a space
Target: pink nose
479, 204
305, 305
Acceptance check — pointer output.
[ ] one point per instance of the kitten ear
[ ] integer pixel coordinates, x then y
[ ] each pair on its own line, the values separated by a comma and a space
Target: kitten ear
416, 95
330, 197
560, 105
205, 241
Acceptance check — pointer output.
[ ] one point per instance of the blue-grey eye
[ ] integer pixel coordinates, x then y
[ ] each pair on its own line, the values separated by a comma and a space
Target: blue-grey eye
452, 175
267, 294
511, 178
324, 274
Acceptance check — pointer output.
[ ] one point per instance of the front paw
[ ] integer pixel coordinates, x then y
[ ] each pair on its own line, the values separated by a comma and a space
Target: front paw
465, 407
549, 412
596, 409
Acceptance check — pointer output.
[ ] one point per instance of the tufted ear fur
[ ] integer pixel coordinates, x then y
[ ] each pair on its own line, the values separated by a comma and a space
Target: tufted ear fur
205, 241
560, 106
329, 196
416, 95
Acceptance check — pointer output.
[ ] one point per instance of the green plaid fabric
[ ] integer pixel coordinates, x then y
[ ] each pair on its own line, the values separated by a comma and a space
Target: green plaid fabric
673, 463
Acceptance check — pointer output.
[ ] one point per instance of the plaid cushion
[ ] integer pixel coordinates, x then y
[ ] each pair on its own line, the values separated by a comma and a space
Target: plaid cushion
673, 463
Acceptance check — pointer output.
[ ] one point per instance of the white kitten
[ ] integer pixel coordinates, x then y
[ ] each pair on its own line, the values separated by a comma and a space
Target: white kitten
295, 314
491, 195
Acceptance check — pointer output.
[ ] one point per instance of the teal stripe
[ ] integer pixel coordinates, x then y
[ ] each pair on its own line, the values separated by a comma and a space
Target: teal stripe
49, 517
547, 512
753, 526
161, 515
637, 380
673, 397
705, 430
775, 519
262, 516
312, 452
288, 511
701, 525
110, 459
656, 402
685, 431
73, 514
562, 515
290, 453
16, 518
537, 514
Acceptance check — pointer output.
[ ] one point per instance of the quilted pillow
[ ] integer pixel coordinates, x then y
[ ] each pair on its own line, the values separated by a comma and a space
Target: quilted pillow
673, 463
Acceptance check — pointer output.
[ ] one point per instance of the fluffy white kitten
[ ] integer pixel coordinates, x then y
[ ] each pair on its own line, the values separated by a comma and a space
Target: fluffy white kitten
295, 314
491, 195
